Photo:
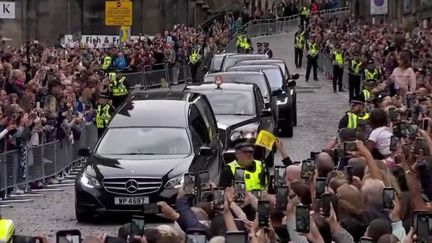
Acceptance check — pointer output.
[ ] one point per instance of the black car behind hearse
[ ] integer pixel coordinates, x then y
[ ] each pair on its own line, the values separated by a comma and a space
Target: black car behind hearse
240, 113
152, 141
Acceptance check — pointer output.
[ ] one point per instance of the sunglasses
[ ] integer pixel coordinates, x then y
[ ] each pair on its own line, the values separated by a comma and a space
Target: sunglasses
247, 151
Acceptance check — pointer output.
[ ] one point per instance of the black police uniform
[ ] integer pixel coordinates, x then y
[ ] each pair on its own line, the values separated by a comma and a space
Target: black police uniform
354, 81
267, 51
298, 52
227, 177
110, 111
338, 72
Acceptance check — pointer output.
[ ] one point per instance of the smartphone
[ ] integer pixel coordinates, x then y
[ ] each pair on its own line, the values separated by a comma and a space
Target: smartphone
326, 204
365, 239
68, 236
281, 197
368, 130
392, 113
263, 213
314, 155
196, 236
218, 199
305, 169
302, 219
350, 146
393, 143
256, 193
425, 124
239, 174
111, 239
412, 131
23, 239
418, 145
204, 178
236, 237
137, 225
152, 208
239, 191
279, 175
349, 173
320, 186
189, 184
388, 197
423, 229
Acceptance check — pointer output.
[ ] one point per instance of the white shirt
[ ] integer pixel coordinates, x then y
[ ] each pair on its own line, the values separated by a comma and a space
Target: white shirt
381, 136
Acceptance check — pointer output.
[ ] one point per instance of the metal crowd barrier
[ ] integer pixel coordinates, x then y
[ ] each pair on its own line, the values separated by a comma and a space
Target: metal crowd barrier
162, 75
41, 162
262, 27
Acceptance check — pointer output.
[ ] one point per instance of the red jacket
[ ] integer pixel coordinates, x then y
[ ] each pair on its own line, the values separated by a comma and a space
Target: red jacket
315, 8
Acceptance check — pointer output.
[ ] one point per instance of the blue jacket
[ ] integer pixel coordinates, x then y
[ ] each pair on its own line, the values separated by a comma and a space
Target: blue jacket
187, 219
120, 63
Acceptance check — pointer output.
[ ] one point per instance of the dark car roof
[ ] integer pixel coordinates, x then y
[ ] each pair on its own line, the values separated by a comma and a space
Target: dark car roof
279, 62
210, 77
248, 77
254, 67
237, 57
227, 86
154, 109
263, 61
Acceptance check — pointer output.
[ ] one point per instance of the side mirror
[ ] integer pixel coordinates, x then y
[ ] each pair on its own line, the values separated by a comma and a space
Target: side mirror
84, 152
266, 112
205, 151
295, 76
292, 83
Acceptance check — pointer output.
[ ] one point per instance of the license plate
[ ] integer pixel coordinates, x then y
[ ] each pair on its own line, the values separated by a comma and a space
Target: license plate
131, 200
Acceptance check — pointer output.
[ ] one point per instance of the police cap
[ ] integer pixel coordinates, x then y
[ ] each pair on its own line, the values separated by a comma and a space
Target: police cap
371, 82
266, 44
357, 101
259, 44
244, 144
104, 96
337, 46
370, 61
356, 53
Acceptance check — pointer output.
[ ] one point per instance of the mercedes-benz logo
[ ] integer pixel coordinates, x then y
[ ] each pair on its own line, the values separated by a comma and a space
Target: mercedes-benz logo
131, 186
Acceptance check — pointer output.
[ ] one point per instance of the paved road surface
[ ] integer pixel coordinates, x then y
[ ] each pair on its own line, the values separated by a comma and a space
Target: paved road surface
319, 111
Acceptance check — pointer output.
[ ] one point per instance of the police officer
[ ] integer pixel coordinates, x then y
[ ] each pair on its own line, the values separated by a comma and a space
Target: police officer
195, 62
351, 118
106, 62
119, 88
368, 86
312, 49
305, 13
267, 50
371, 72
255, 174
244, 44
338, 68
355, 74
260, 49
104, 113
299, 44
